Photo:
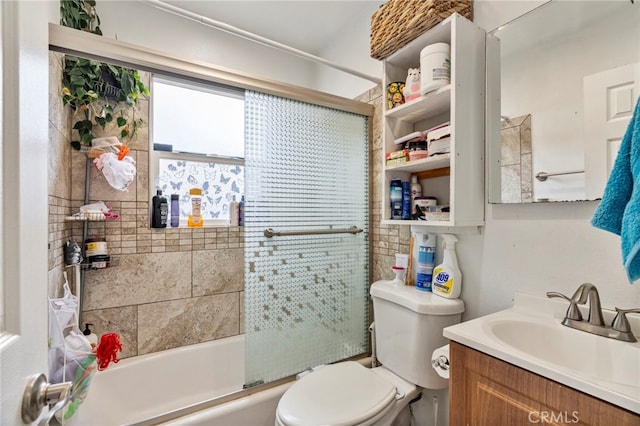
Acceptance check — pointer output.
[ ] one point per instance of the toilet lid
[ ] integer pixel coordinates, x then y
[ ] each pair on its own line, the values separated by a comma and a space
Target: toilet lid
345, 393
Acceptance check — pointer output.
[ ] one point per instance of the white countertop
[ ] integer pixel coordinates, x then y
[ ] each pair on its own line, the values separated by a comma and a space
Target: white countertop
530, 335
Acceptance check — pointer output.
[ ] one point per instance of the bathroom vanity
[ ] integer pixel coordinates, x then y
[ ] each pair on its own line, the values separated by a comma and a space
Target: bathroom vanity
522, 366
488, 391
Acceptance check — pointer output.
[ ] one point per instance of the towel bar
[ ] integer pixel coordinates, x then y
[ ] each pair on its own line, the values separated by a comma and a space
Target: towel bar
269, 232
542, 176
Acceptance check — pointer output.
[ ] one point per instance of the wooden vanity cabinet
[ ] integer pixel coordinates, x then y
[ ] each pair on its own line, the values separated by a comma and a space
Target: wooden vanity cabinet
485, 391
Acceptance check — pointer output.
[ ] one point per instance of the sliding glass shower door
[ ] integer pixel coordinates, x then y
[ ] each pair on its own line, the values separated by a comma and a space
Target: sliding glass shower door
306, 282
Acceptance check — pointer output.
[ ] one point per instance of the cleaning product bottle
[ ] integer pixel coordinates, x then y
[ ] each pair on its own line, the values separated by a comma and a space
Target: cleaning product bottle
447, 278
233, 212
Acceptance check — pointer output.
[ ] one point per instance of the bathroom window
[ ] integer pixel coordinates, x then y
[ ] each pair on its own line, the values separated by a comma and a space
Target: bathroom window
197, 141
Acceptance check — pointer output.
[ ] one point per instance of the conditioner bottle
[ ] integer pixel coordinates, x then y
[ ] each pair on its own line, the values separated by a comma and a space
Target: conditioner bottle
233, 212
447, 278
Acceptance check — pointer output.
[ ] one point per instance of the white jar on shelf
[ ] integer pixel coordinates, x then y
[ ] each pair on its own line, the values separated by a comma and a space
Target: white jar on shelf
435, 67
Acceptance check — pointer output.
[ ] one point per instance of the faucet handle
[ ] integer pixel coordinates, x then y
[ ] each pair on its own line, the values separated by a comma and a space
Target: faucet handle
620, 322
573, 312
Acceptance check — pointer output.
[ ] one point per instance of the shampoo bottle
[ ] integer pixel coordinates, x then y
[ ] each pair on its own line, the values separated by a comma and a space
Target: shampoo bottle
233, 212
447, 278
241, 212
160, 211
175, 210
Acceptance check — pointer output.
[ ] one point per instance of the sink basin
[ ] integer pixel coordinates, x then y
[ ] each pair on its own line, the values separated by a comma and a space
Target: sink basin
530, 335
575, 351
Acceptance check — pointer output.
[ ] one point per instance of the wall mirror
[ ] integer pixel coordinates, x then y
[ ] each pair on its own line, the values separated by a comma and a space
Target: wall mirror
563, 80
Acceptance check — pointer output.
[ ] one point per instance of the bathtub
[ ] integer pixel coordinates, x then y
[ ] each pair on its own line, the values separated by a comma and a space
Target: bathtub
186, 385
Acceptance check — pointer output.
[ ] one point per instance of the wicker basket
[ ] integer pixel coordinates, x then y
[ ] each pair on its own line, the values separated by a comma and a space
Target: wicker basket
398, 22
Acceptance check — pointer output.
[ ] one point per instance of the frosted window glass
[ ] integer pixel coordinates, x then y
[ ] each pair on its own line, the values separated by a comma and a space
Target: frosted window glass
219, 184
198, 119
306, 167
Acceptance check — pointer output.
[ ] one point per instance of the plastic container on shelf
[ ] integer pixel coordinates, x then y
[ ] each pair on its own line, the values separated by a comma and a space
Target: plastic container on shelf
426, 262
416, 191
435, 66
417, 155
406, 200
160, 211
241, 211
195, 218
175, 210
395, 196
426, 203
233, 212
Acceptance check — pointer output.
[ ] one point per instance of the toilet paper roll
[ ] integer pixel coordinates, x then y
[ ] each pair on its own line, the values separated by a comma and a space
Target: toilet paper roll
440, 361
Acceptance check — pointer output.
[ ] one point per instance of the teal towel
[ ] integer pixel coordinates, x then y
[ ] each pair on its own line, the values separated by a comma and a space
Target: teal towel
619, 210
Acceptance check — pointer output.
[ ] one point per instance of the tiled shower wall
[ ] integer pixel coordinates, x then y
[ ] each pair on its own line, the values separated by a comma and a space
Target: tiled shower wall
166, 288
516, 163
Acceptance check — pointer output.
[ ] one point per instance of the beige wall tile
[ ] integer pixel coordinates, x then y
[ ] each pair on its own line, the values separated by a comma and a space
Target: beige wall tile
183, 322
122, 320
218, 271
139, 278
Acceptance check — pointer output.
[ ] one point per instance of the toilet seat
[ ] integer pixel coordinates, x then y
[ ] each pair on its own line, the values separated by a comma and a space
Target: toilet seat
342, 394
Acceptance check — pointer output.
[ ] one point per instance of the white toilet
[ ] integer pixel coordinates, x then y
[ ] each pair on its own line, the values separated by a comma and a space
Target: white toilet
408, 327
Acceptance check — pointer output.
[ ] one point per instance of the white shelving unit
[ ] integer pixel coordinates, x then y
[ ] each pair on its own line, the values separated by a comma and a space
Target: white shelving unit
456, 179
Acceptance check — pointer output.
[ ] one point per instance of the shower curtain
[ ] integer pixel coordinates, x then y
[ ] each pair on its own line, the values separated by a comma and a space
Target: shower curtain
307, 169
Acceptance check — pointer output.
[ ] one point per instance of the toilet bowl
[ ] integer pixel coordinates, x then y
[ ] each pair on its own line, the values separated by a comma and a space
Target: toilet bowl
347, 393
408, 328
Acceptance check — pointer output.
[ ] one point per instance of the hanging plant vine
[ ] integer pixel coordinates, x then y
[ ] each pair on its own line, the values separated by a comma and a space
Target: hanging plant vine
97, 88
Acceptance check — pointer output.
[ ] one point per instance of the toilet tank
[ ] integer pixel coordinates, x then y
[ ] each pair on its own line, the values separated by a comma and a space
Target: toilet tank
408, 327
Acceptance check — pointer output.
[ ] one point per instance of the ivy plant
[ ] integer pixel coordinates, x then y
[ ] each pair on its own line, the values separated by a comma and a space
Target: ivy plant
81, 15
102, 91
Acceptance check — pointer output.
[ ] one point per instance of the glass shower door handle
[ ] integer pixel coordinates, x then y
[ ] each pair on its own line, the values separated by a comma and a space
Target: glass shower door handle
269, 232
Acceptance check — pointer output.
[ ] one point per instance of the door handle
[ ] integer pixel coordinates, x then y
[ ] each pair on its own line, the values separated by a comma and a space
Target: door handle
40, 393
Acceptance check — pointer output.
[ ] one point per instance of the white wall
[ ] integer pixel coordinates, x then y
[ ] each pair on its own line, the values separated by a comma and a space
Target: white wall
144, 25
535, 248
522, 248
148, 26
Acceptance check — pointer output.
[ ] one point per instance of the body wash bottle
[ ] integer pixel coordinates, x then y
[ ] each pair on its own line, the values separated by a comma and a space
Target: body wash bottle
195, 218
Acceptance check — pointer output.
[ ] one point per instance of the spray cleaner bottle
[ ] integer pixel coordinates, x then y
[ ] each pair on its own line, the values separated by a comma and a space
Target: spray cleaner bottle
447, 278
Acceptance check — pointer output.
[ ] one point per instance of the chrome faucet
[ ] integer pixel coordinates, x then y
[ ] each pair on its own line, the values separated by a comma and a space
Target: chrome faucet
619, 329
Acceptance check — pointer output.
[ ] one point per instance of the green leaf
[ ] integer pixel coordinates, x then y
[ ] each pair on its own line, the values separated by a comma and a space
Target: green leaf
87, 138
76, 145
121, 121
83, 125
124, 133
